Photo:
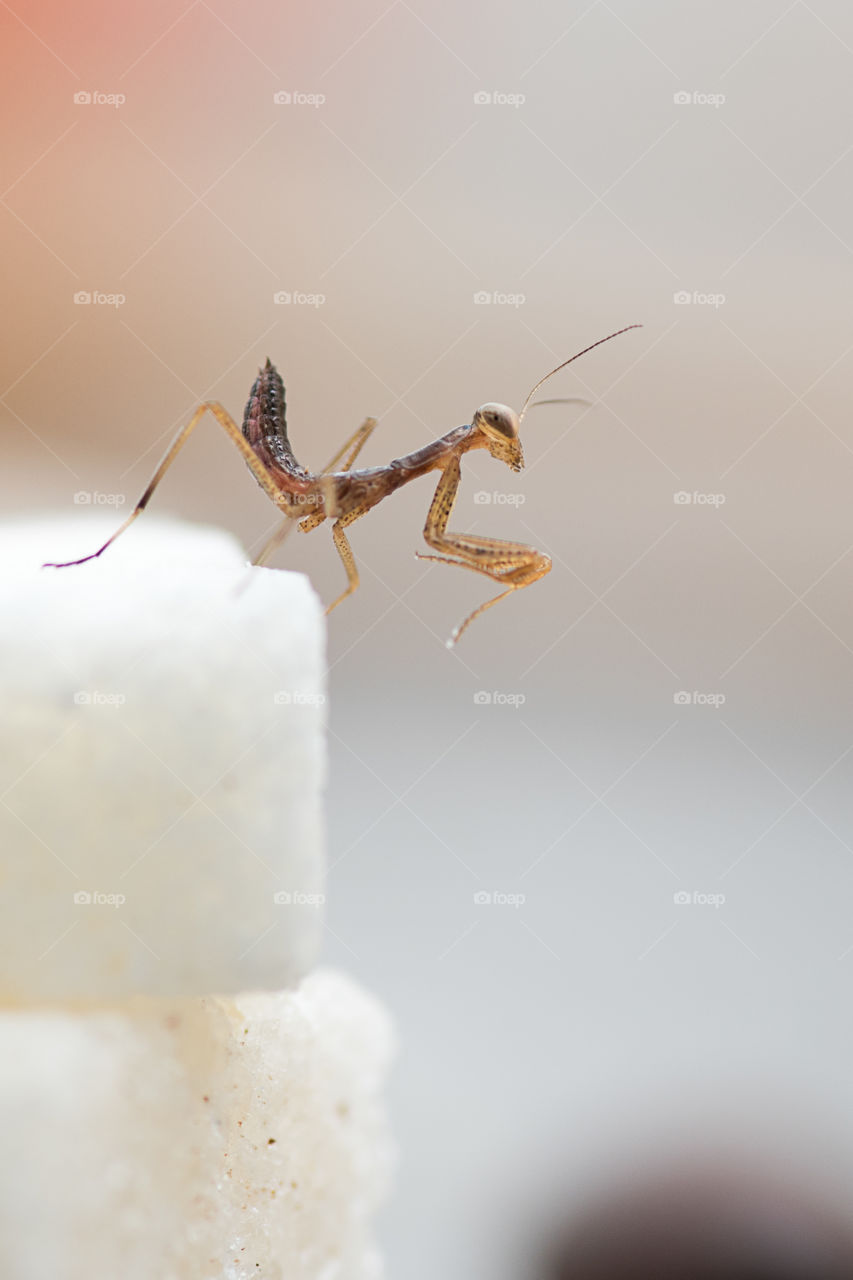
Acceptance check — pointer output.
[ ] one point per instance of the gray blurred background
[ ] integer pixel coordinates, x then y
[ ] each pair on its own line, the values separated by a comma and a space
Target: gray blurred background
683, 166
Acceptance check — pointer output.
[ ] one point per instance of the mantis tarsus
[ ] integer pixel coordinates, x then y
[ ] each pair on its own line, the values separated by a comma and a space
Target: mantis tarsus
341, 494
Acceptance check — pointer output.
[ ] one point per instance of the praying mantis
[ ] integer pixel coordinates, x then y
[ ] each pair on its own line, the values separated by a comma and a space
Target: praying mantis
343, 495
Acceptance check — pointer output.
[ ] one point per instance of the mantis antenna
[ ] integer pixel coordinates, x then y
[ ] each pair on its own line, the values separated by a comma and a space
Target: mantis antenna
569, 361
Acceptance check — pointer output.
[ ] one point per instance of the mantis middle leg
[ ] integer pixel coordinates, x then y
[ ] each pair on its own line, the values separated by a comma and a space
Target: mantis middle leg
351, 447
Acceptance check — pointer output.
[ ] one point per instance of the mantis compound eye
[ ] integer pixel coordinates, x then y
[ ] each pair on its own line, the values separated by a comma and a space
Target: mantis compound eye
497, 420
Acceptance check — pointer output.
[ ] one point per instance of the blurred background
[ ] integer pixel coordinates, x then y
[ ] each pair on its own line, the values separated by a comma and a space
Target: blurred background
598, 860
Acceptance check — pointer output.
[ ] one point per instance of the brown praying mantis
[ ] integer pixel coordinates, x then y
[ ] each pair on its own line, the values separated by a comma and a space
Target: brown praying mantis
343, 495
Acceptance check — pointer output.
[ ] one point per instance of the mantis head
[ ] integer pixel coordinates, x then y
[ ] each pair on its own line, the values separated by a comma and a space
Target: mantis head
501, 425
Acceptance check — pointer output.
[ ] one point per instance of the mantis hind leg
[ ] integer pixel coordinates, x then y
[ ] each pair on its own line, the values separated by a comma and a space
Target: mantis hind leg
260, 472
513, 564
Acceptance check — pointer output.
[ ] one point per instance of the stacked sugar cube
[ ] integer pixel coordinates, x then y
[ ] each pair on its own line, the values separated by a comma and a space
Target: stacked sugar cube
180, 1094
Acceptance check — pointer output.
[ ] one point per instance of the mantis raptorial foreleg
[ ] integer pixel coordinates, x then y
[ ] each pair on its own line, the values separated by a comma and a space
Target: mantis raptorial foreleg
511, 563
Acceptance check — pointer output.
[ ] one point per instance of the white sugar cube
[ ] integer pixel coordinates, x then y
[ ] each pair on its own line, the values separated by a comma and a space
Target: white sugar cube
161, 765
196, 1139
